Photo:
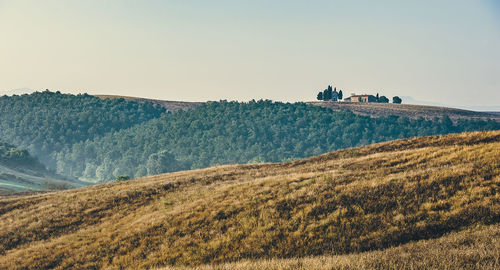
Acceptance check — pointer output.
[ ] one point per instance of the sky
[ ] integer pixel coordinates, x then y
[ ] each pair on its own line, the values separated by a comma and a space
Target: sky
441, 51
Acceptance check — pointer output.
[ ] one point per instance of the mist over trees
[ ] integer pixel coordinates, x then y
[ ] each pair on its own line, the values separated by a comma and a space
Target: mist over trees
89, 138
46, 122
231, 132
13, 156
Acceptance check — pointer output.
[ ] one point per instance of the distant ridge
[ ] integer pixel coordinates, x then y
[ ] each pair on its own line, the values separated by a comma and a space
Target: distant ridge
407, 110
370, 109
172, 106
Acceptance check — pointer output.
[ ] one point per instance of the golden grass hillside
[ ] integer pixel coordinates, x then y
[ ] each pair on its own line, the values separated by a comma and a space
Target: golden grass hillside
355, 200
474, 248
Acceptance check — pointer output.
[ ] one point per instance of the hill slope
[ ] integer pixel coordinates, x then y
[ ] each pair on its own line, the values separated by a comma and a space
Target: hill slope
475, 248
232, 132
353, 200
45, 122
15, 180
170, 105
370, 109
97, 139
406, 110
19, 172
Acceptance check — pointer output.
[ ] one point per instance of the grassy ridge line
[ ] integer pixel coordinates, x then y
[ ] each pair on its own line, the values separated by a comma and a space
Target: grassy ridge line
170, 105
354, 200
476, 248
371, 109
407, 110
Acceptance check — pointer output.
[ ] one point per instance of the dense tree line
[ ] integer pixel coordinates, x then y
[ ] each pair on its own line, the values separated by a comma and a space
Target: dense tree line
87, 137
328, 93
231, 132
46, 122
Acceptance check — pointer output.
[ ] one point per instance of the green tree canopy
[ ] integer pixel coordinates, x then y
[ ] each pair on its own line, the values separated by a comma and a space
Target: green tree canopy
45, 122
383, 99
231, 132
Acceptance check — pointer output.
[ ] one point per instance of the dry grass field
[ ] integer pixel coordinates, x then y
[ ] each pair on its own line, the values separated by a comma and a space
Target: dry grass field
475, 248
370, 206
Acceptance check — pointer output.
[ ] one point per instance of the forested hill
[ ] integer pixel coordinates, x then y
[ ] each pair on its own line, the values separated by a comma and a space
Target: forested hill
169, 105
231, 132
46, 122
372, 109
91, 138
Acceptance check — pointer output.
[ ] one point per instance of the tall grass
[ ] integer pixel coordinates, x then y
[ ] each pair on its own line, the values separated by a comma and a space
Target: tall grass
474, 248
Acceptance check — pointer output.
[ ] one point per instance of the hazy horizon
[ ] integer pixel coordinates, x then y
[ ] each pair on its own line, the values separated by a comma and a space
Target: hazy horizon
443, 52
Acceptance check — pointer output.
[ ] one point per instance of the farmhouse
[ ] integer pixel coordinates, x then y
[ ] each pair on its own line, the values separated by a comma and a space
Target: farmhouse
361, 98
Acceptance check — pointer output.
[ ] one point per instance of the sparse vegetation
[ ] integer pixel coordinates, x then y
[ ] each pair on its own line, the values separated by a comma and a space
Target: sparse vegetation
407, 110
367, 199
122, 178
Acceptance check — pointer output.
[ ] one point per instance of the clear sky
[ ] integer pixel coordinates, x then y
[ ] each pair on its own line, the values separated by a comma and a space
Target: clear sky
445, 51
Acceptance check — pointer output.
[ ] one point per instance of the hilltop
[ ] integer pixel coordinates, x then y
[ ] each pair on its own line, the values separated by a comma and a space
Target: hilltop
406, 110
170, 105
369, 109
354, 200
98, 139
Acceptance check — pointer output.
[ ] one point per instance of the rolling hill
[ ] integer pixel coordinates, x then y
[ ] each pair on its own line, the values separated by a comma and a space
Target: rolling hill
375, 200
45, 122
16, 180
474, 248
369, 109
170, 105
20, 172
98, 139
224, 132
406, 110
